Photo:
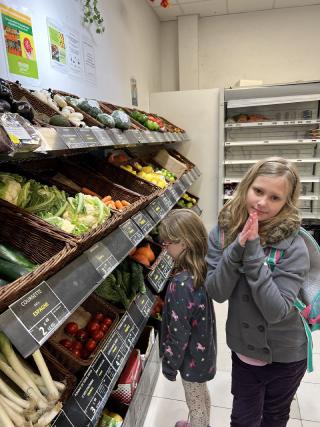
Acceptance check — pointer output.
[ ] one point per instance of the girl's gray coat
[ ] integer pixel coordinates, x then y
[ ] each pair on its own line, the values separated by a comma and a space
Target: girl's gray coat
262, 321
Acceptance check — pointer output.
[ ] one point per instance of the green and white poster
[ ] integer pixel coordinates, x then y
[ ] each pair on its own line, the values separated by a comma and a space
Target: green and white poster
57, 42
19, 43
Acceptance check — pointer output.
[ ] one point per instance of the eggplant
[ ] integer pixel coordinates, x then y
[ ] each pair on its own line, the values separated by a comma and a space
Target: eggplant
4, 106
5, 93
24, 109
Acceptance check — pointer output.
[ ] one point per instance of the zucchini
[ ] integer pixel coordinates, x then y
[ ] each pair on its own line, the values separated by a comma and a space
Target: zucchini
3, 282
12, 271
15, 256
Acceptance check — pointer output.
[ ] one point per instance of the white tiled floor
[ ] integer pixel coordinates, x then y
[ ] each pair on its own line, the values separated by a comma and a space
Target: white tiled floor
168, 402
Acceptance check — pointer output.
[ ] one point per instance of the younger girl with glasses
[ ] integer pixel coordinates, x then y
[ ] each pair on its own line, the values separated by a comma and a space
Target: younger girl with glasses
188, 343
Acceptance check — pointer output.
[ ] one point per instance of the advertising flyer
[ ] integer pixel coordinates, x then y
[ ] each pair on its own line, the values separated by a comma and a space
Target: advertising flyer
19, 43
74, 54
57, 44
89, 60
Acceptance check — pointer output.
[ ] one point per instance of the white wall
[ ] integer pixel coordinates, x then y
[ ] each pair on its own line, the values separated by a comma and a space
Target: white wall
274, 46
169, 56
129, 47
196, 111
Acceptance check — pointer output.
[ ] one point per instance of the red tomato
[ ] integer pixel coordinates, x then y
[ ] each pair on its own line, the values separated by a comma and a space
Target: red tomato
93, 326
66, 343
107, 321
76, 345
82, 335
97, 335
76, 352
98, 317
91, 345
104, 328
71, 328
85, 353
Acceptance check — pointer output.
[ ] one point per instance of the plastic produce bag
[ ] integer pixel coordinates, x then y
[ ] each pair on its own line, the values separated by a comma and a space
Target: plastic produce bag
17, 135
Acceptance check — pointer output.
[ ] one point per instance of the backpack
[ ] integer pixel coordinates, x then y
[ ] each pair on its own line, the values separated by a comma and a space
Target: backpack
308, 302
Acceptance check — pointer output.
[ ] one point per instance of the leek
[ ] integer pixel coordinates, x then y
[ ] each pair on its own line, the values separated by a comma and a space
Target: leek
53, 394
4, 418
16, 418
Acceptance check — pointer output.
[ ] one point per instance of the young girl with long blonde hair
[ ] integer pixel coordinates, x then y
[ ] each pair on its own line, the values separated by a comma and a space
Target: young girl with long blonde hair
188, 343
258, 262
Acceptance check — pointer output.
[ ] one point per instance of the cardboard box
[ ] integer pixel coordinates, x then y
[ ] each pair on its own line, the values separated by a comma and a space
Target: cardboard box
164, 159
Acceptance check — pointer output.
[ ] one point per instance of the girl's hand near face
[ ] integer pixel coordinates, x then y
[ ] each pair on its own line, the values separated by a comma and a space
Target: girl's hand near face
250, 230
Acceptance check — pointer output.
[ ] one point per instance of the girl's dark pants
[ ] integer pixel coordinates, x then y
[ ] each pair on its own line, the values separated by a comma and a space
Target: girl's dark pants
262, 395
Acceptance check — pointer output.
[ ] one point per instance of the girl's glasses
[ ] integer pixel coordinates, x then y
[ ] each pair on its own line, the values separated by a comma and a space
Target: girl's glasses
167, 243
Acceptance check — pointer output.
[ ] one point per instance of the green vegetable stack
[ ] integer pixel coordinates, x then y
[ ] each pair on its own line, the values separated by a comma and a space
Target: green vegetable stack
123, 284
74, 215
187, 201
13, 264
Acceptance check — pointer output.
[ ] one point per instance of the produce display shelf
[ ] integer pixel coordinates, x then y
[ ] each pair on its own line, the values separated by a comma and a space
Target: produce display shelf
302, 197
236, 179
82, 276
272, 123
310, 215
252, 161
271, 142
73, 141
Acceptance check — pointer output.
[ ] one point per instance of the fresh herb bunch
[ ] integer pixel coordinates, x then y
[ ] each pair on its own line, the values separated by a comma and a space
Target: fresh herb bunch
93, 16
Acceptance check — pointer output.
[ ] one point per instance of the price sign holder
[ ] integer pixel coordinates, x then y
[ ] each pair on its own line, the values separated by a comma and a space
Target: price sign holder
168, 136
197, 171
70, 137
40, 311
156, 279
171, 195
144, 303
156, 210
166, 201
134, 136
118, 243
132, 232
88, 137
102, 259
143, 221
179, 188
103, 137
118, 136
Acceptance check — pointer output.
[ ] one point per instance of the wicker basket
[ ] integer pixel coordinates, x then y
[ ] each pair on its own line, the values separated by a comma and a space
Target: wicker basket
109, 108
83, 241
74, 364
48, 250
125, 179
39, 106
89, 120
58, 373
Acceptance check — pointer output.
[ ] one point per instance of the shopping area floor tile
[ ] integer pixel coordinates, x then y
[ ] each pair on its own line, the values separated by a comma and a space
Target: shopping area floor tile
308, 399
224, 362
169, 389
165, 412
310, 424
219, 389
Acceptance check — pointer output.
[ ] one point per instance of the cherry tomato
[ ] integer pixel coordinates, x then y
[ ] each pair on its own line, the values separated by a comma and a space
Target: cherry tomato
93, 326
66, 343
85, 353
107, 321
71, 329
82, 335
91, 345
97, 335
98, 317
104, 328
76, 352
76, 345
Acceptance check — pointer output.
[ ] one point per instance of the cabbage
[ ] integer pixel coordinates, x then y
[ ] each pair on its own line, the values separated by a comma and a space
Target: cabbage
85, 210
10, 187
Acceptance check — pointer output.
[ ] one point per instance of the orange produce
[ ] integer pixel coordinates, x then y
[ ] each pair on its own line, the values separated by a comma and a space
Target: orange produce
141, 259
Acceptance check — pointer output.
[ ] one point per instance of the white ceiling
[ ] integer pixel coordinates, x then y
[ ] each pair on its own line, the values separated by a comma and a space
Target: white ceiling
220, 7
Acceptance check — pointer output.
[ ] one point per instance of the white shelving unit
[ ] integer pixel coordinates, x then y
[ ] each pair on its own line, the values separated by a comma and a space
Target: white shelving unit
280, 120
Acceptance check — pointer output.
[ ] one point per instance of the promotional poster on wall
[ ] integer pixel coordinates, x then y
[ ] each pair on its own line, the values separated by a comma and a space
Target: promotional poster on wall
19, 43
57, 45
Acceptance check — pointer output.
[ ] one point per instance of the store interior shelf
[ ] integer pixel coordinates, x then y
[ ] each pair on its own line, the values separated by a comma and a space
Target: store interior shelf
273, 123
252, 161
271, 142
237, 179
302, 197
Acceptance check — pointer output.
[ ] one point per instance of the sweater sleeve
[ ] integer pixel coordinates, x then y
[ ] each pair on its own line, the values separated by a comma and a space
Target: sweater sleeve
223, 267
275, 291
178, 327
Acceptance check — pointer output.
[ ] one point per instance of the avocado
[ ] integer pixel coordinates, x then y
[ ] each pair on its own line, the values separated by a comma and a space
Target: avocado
58, 120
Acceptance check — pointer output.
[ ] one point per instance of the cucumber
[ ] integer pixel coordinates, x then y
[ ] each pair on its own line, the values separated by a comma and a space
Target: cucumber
12, 271
15, 256
3, 282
